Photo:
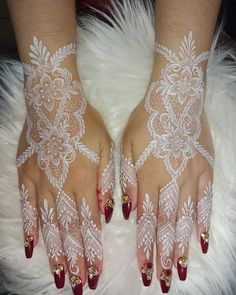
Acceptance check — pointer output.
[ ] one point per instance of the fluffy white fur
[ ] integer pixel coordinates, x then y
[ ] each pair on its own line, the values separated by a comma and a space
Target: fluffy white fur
115, 65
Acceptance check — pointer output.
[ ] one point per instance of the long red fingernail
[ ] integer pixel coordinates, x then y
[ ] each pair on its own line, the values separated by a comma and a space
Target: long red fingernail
59, 275
29, 246
204, 242
76, 285
126, 206
109, 209
182, 265
165, 280
93, 276
147, 274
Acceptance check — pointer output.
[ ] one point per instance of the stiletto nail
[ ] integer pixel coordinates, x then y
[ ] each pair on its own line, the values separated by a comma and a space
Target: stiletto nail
109, 209
29, 246
126, 206
93, 276
147, 274
59, 275
182, 265
204, 242
165, 280
76, 285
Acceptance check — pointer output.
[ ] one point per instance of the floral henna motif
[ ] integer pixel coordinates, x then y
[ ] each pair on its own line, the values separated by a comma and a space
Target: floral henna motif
168, 200
128, 173
50, 231
185, 225
91, 235
204, 207
69, 226
29, 213
146, 227
175, 104
55, 107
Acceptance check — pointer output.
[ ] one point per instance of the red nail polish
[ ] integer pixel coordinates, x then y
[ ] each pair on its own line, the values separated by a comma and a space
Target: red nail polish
182, 265
126, 206
147, 274
59, 275
165, 280
204, 242
29, 246
109, 209
93, 276
76, 285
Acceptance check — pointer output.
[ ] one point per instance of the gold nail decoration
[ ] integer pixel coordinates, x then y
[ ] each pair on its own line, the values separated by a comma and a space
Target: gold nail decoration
92, 272
110, 203
183, 261
28, 240
205, 237
57, 269
75, 281
147, 271
166, 278
125, 199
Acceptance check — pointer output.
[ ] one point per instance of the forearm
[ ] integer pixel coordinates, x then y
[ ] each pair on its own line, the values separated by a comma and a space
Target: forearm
52, 21
174, 19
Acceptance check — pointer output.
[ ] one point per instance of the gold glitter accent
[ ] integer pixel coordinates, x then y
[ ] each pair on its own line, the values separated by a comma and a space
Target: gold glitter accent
205, 237
183, 261
147, 271
166, 278
92, 272
28, 240
125, 199
110, 203
75, 281
57, 269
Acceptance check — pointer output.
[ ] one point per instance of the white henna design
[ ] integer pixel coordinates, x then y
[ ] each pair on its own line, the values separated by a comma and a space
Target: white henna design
50, 231
55, 126
146, 227
29, 212
204, 207
69, 226
128, 173
168, 204
91, 235
108, 175
185, 225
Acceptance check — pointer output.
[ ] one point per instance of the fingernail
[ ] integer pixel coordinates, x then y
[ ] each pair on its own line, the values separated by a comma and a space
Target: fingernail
29, 246
165, 280
147, 274
126, 206
109, 209
59, 275
182, 265
93, 276
76, 285
204, 242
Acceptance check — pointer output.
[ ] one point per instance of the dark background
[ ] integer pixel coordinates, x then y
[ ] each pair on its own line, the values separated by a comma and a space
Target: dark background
8, 44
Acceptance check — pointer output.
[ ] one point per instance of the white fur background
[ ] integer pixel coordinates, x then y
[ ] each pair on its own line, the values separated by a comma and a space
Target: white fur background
115, 65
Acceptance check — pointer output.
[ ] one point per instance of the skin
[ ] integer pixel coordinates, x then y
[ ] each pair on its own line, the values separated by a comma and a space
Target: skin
174, 19
54, 22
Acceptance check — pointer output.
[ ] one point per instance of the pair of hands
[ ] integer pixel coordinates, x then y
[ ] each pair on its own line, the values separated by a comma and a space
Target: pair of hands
66, 168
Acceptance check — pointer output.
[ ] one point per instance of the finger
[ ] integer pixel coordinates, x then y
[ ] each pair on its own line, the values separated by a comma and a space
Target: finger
204, 207
166, 221
106, 182
90, 222
68, 217
146, 231
29, 214
52, 238
128, 180
184, 227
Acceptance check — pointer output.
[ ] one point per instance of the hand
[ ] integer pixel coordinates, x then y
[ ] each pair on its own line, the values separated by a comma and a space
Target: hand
167, 165
64, 163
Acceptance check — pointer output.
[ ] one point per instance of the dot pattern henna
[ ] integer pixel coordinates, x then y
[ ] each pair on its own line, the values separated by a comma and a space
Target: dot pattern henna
91, 235
29, 213
55, 107
69, 227
50, 231
128, 173
185, 225
146, 227
168, 204
204, 207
